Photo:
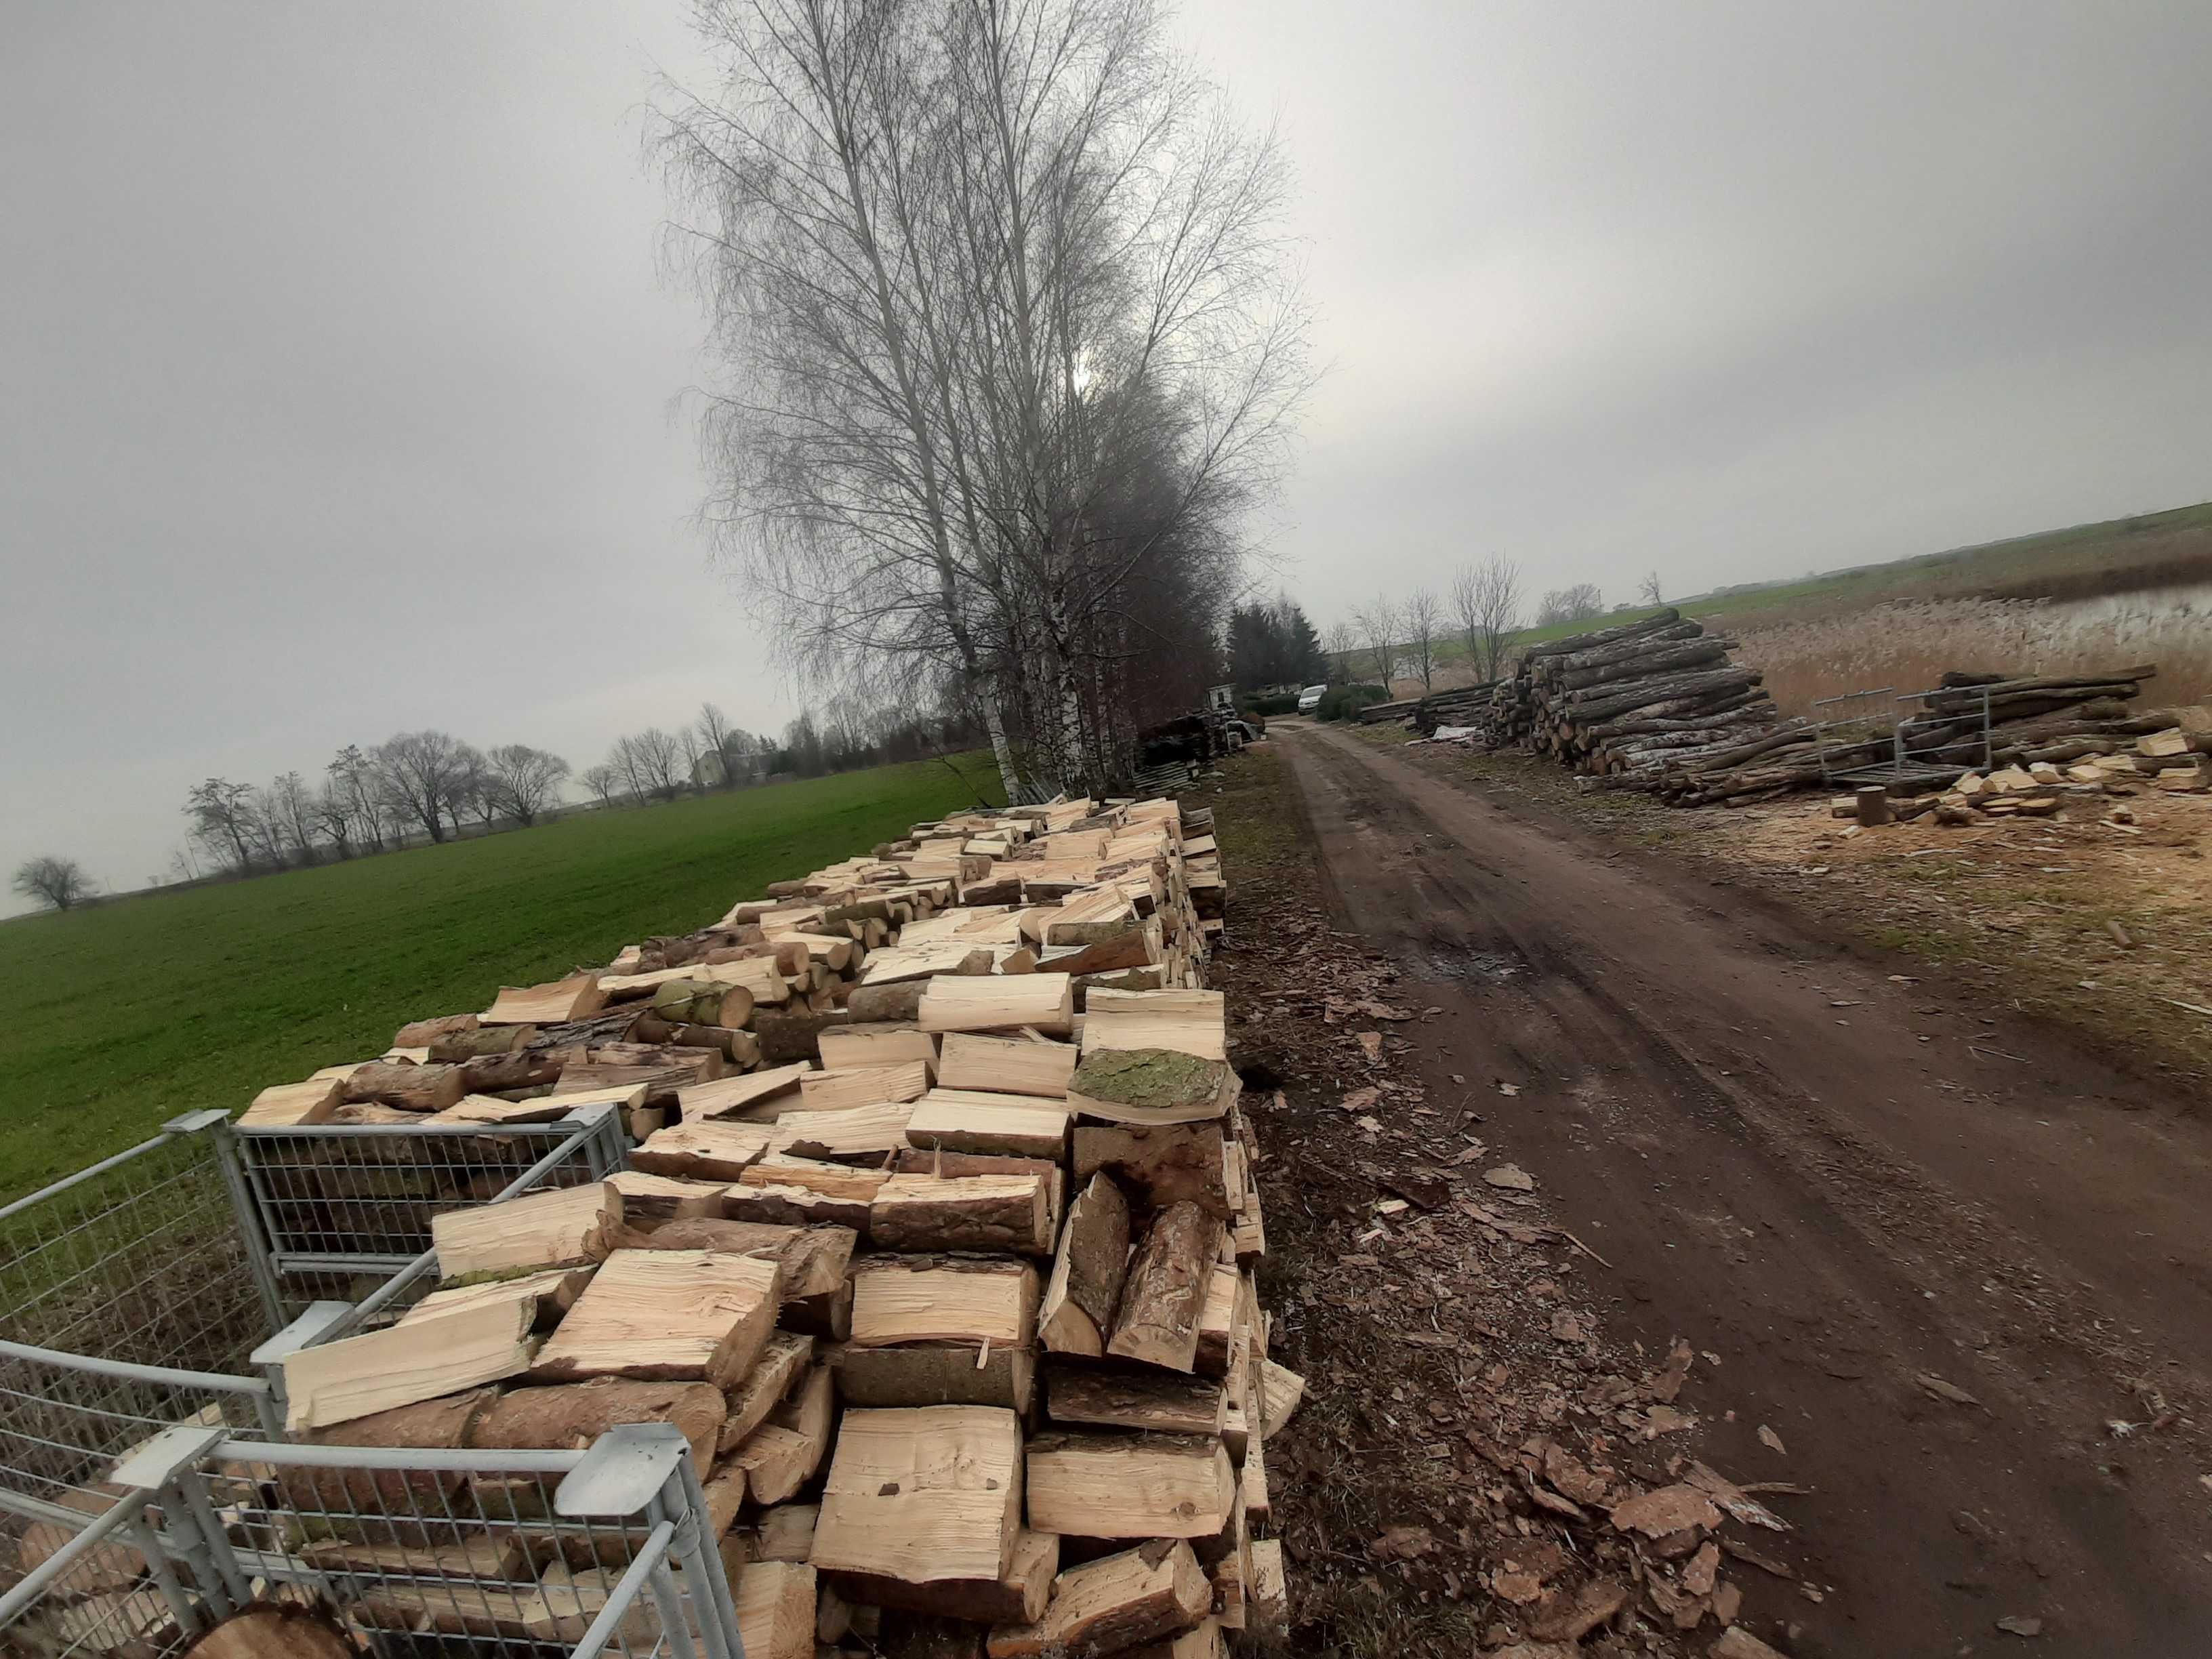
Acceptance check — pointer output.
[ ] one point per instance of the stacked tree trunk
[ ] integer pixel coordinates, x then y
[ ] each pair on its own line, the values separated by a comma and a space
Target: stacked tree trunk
937, 1243
1460, 705
2029, 719
1631, 701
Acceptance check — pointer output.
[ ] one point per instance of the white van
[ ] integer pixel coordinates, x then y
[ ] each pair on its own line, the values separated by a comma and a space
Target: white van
1309, 699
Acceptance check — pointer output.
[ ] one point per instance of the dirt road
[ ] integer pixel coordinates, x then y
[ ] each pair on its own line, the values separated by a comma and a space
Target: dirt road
1840, 1183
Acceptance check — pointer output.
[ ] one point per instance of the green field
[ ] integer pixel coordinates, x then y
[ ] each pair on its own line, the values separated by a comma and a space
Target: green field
126, 1014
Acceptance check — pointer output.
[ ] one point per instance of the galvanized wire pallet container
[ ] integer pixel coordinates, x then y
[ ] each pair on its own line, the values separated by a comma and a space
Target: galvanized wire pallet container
146, 1486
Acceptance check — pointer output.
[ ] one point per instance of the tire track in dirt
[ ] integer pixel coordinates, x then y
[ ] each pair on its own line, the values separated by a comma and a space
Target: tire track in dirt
1753, 1131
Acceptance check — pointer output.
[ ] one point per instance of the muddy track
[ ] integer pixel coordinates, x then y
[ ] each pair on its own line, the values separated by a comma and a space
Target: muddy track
1840, 1182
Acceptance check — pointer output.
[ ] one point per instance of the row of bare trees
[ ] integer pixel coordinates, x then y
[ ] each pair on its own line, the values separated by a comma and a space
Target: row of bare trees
1011, 342
1406, 639
426, 782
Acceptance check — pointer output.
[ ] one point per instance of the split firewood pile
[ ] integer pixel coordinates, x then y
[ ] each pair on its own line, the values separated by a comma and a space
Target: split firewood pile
1633, 702
937, 1243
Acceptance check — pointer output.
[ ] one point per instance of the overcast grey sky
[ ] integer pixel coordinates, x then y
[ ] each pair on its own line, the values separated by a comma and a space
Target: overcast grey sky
336, 373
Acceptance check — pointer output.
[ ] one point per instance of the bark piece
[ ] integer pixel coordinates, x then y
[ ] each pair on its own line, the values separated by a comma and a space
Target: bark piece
937, 1374
1151, 1086
411, 1088
1078, 1395
668, 1315
1164, 1299
785, 1360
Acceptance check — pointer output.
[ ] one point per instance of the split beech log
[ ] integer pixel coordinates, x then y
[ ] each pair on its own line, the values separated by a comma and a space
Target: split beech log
294, 1105
574, 1414
703, 1151
777, 1603
554, 1229
1188, 1022
895, 1003
785, 1360
440, 1424
969, 1212
867, 1086
478, 1041
422, 1033
784, 1533
937, 1374
794, 1206
374, 1372
411, 1088
862, 1133
1123, 1486
1149, 1085
1019, 1596
814, 1259
855, 1046
1087, 1272
815, 1176
943, 1299
649, 1200
1112, 1604
764, 1093
1158, 1165
578, 997
924, 1495
551, 1293
968, 1120
785, 1037
782, 1455
1040, 1002
1006, 1065
492, 1075
1281, 1389
1163, 1300
667, 1315
1077, 1393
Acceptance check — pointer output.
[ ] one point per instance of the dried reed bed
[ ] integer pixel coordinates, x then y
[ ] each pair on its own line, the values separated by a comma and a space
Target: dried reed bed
1908, 645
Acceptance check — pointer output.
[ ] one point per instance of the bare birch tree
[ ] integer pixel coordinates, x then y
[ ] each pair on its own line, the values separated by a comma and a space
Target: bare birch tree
1487, 601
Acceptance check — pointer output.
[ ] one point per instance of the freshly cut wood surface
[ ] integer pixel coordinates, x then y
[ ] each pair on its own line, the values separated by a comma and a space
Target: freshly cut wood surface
967, 1212
782, 1455
1020, 1596
784, 1359
553, 1229
937, 1374
556, 1003
1268, 1593
703, 1151
907, 964
379, 1370
784, 1533
471, 1556
1157, 1165
573, 1414
1087, 1272
878, 1045
943, 1299
924, 1495
865, 1085
1190, 1022
649, 1199
1223, 1321
1123, 1486
1164, 1298
966, 1121
1010, 1065
551, 1293
1281, 1389
1080, 1395
859, 1132
1151, 1085
492, 1109
1040, 1002
668, 1315
735, 1097
1112, 1604
294, 1105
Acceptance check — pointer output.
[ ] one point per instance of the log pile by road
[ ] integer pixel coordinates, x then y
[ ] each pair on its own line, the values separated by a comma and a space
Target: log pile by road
938, 1243
1632, 702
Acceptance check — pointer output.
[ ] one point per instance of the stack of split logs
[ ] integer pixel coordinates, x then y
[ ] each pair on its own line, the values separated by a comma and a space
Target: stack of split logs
937, 1245
1632, 701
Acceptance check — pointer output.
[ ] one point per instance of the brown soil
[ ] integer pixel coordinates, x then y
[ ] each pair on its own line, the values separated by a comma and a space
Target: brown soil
1920, 1240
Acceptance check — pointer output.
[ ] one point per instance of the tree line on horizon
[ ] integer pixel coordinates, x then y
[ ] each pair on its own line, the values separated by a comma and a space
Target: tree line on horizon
429, 786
